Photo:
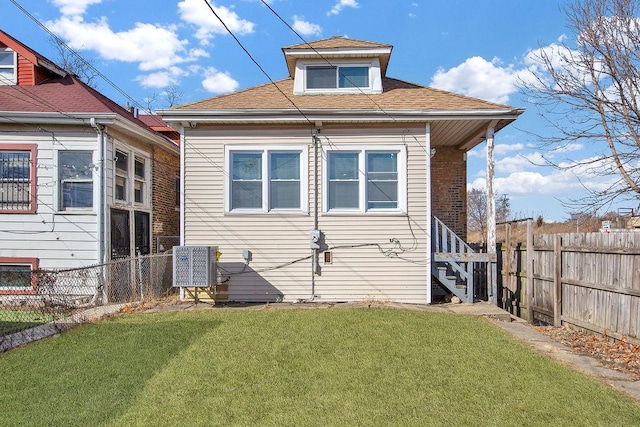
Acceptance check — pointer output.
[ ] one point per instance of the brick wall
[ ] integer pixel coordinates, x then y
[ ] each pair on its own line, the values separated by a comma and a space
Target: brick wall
166, 219
449, 188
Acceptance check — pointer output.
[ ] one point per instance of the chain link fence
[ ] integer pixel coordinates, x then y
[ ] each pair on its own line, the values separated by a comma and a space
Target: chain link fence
62, 298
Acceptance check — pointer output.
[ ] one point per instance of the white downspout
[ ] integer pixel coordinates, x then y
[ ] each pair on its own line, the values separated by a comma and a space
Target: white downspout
183, 144
102, 214
427, 137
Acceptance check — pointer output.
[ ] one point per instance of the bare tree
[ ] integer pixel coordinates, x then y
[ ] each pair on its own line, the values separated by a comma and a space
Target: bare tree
75, 64
172, 96
590, 93
477, 210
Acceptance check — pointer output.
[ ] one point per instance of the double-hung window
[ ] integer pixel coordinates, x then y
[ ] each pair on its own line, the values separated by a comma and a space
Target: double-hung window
17, 178
365, 180
8, 75
76, 179
266, 179
131, 177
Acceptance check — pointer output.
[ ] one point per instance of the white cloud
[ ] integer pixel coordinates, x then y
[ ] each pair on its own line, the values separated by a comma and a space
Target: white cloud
196, 12
478, 78
306, 28
340, 5
568, 148
519, 163
74, 7
218, 82
561, 184
498, 150
161, 79
153, 46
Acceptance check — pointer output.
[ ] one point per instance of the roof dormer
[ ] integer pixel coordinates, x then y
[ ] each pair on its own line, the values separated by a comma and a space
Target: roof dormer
337, 66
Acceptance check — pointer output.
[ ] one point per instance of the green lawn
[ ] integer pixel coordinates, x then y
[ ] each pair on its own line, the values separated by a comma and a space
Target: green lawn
17, 320
297, 367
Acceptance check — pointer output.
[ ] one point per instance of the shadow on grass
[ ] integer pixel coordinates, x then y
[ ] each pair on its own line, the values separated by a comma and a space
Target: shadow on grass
7, 328
91, 375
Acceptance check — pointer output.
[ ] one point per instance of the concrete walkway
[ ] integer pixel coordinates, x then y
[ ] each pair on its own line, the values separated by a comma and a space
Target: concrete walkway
583, 363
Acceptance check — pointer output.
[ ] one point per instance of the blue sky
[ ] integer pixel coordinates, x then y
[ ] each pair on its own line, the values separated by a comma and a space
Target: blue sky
478, 48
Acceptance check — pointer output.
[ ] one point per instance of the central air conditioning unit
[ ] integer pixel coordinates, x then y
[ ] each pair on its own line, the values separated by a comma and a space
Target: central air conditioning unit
195, 266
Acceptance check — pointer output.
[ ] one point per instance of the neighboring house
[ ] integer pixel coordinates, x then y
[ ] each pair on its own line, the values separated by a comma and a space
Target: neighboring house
322, 186
83, 180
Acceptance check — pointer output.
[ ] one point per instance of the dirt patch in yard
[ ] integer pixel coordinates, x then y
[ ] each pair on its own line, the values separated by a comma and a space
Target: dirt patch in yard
621, 355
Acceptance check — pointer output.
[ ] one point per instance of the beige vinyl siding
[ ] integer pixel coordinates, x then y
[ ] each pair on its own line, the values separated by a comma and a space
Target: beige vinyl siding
276, 239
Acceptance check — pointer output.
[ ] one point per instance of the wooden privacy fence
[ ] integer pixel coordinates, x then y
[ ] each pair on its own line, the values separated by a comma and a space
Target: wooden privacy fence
588, 280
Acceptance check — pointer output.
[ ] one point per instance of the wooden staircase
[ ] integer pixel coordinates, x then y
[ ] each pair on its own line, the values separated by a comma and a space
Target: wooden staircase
453, 260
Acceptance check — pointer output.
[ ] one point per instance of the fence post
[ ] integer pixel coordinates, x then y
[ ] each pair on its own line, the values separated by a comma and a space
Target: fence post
530, 270
557, 280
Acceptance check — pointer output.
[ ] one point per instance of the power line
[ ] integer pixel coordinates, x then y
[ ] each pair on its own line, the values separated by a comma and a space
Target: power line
256, 62
80, 57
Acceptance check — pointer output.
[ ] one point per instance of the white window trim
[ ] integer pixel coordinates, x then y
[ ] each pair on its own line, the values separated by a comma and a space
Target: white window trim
362, 181
96, 181
131, 178
265, 150
375, 79
14, 77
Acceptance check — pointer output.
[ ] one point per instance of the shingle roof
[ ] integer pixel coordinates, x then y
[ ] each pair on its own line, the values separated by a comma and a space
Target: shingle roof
66, 96
337, 42
335, 48
33, 56
397, 95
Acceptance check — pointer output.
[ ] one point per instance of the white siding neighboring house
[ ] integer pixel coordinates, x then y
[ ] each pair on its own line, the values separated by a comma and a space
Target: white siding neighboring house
339, 150
77, 170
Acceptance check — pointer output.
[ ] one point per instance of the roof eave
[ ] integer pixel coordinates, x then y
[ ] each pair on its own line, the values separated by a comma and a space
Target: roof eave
84, 119
327, 115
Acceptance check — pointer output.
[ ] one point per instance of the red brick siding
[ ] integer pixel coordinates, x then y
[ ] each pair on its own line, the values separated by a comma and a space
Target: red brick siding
449, 188
166, 219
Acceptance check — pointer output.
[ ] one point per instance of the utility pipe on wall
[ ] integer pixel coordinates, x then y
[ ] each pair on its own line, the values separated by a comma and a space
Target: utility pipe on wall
102, 214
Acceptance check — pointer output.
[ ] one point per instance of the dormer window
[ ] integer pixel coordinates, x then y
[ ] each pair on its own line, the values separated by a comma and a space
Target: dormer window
330, 77
7, 66
346, 76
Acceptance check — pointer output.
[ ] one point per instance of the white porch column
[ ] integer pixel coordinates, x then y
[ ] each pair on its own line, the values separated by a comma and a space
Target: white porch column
491, 216
427, 144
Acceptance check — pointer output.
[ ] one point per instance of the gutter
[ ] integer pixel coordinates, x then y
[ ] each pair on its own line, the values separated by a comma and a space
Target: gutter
177, 118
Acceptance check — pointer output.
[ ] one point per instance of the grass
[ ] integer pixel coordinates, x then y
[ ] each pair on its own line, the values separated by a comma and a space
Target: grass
16, 320
297, 367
